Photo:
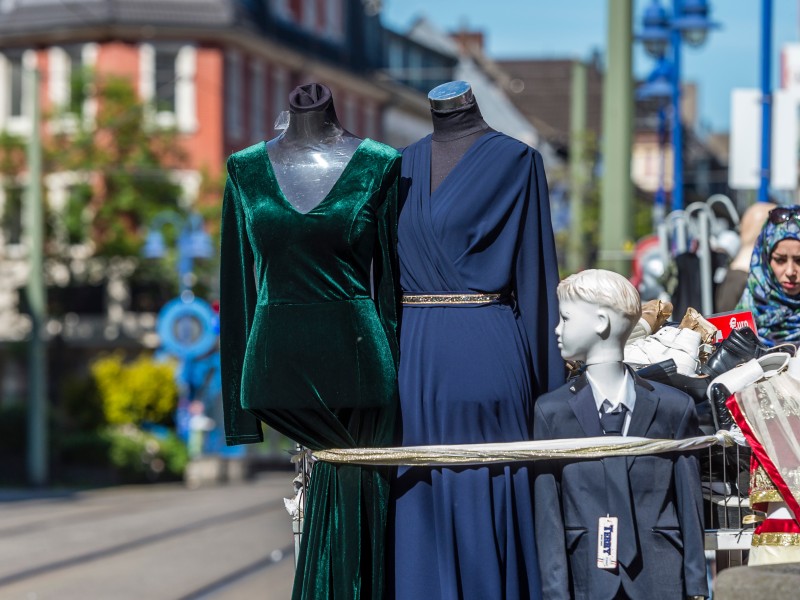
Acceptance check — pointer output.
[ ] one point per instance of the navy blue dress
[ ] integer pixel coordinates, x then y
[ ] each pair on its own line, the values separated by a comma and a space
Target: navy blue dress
470, 374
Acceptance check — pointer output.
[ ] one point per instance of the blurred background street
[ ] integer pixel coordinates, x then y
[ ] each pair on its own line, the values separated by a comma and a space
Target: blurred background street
156, 542
116, 120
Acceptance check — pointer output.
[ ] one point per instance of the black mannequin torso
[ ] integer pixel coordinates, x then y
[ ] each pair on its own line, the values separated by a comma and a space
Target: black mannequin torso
313, 151
457, 124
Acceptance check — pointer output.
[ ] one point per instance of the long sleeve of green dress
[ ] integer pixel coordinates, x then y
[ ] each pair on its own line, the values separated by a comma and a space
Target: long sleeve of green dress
237, 307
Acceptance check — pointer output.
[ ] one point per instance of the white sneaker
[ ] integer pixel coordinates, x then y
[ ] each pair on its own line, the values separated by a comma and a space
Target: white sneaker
688, 340
681, 345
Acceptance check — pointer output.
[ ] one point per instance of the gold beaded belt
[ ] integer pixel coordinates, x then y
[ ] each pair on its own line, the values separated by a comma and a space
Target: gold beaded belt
449, 299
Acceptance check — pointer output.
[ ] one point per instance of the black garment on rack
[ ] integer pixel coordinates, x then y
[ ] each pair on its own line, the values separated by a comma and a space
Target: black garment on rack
688, 290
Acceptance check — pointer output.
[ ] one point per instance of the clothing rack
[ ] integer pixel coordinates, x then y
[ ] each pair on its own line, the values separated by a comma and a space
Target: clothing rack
697, 223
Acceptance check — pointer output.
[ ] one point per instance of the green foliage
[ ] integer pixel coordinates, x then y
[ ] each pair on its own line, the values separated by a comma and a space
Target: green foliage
135, 455
75, 214
81, 408
135, 393
12, 154
139, 454
124, 165
79, 83
127, 162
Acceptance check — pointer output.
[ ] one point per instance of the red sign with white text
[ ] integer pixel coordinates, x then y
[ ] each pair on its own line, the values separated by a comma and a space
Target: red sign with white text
728, 321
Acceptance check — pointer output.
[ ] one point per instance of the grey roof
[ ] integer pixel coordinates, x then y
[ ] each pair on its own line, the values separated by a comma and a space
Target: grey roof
19, 17
480, 72
427, 34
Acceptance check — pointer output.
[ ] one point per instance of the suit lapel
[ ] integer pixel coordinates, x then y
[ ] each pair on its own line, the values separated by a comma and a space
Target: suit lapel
644, 411
585, 408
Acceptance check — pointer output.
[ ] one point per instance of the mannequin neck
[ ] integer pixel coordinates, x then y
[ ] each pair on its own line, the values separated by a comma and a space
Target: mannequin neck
608, 375
313, 125
451, 125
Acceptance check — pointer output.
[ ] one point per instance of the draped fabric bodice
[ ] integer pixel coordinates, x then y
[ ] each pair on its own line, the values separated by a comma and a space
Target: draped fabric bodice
471, 373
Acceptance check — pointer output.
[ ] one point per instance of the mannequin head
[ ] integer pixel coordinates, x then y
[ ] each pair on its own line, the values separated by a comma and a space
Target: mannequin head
455, 116
310, 97
598, 309
452, 95
312, 116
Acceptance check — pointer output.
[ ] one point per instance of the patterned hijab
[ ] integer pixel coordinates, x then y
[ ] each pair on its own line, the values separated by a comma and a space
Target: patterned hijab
777, 313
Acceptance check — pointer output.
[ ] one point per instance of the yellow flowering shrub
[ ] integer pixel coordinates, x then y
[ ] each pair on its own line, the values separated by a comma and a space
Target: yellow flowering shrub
141, 391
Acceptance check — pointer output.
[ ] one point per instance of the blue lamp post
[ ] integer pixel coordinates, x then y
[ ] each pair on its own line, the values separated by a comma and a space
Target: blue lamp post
766, 98
193, 242
189, 331
659, 88
688, 22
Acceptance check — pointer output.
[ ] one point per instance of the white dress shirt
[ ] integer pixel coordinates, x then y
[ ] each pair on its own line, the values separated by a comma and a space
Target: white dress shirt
625, 394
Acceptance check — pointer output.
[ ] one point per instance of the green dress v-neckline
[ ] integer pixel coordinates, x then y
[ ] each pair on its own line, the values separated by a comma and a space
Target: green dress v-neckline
282, 196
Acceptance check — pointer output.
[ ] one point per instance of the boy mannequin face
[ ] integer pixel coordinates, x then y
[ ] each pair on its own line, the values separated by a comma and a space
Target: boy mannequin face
580, 328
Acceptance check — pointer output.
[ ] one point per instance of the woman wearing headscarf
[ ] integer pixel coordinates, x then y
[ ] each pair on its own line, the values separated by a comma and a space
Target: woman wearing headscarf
773, 286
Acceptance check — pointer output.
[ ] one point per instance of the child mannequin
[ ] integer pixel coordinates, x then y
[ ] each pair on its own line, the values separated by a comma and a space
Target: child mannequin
656, 501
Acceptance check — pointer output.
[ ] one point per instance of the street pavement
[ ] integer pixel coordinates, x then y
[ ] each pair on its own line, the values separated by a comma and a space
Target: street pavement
153, 542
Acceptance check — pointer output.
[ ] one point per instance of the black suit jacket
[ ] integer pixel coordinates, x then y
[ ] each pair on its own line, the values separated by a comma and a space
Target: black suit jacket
667, 500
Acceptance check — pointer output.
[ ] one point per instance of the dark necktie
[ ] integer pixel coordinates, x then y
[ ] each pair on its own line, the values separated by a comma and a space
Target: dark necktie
620, 502
613, 422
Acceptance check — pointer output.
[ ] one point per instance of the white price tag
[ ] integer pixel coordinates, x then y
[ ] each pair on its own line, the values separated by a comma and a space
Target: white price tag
607, 543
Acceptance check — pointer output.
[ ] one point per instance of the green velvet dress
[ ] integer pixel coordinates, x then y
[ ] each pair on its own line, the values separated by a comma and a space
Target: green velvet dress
309, 349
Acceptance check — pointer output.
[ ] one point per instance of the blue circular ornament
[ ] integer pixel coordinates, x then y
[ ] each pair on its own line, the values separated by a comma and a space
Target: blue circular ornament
187, 329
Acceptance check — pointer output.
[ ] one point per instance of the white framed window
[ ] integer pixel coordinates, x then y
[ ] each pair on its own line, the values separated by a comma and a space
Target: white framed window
186, 89
69, 78
234, 94
69, 200
167, 84
14, 104
258, 96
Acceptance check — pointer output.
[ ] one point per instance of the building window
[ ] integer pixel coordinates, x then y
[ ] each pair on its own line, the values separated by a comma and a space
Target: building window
15, 84
396, 66
233, 94
69, 195
334, 20
309, 15
167, 84
166, 75
13, 104
415, 75
319, 17
69, 77
12, 218
259, 100
186, 89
